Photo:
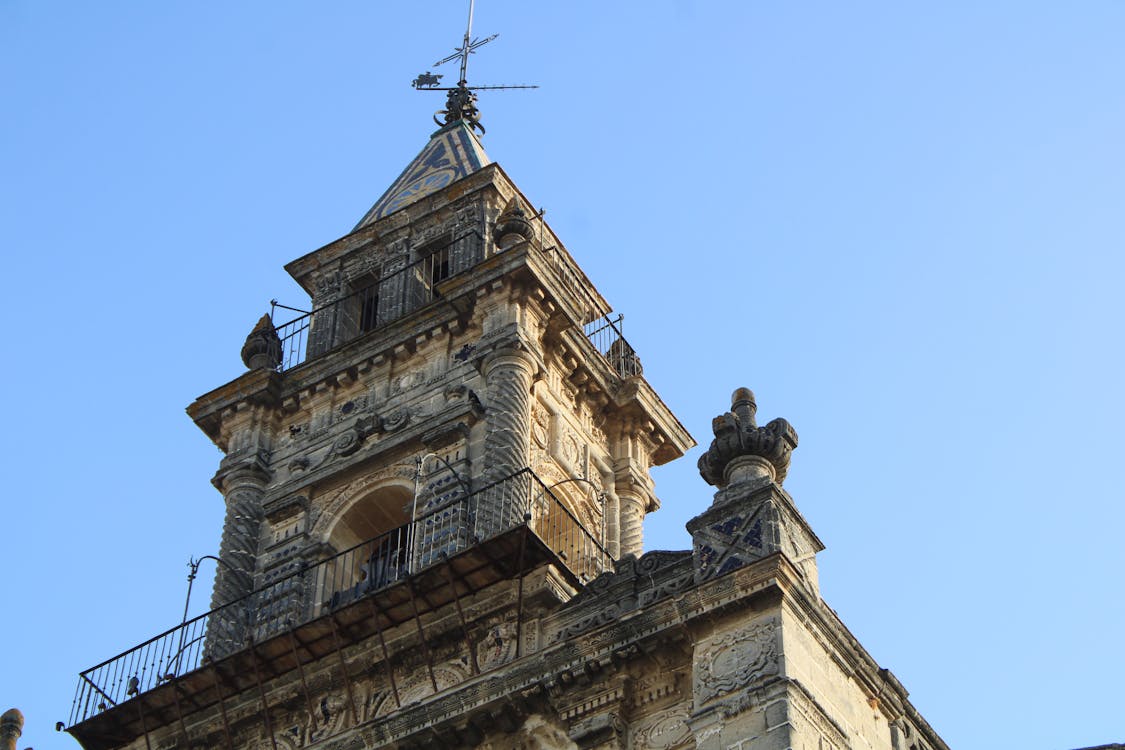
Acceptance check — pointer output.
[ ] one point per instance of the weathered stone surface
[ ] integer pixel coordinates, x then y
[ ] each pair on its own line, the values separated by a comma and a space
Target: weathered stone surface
11, 728
262, 349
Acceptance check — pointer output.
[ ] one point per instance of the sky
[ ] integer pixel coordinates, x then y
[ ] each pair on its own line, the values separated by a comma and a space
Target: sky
900, 223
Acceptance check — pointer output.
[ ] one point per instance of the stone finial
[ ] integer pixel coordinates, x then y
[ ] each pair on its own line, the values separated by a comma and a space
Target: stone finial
262, 350
512, 225
741, 450
11, 727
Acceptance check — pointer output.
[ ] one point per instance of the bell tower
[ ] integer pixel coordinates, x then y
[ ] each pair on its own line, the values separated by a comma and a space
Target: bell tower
455, 375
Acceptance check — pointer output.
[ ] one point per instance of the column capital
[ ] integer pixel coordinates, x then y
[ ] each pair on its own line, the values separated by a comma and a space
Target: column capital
512, 355
242, 468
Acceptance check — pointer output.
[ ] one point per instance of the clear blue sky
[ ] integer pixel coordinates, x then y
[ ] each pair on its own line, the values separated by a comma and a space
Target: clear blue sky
900, 223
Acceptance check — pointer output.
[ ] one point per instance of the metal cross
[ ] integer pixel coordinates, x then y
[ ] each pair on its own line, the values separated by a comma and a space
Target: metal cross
461, 101
467, 48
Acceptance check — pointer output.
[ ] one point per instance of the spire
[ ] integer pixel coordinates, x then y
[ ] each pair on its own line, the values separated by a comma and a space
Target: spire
453, 152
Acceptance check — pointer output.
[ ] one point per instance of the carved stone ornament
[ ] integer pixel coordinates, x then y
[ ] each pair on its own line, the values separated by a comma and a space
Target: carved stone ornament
497, 647
512, 225
737, 436
396, 420
667, 729
262, 350
735, 661
347, 443
329, 286
540, 425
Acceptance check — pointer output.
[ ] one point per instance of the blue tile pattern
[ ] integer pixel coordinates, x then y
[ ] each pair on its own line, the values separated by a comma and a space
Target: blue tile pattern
452, 153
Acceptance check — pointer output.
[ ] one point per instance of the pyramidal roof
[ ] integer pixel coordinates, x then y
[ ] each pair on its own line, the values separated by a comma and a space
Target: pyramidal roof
452, 153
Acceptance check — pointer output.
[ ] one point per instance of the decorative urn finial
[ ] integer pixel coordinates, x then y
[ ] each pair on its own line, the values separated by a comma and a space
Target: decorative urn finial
512, 225
262, 350
742, 451
11, 727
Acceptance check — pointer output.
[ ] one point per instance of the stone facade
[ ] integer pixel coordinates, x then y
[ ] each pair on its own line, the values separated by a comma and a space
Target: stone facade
393, 577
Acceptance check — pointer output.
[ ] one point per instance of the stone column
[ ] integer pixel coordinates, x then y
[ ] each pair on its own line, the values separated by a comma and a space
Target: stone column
508, 373
634, 497
243, 484
632, 508
11, 727
612, 512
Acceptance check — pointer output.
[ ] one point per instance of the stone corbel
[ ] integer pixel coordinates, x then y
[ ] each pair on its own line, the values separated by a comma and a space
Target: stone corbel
445, 435
286, 508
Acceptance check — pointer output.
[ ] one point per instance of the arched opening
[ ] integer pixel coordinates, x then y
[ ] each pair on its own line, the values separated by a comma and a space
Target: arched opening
371, 543
371, 515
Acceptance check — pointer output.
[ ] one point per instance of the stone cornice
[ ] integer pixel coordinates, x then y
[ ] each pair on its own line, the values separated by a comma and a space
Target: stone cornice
262, 387
638, 399
882, 687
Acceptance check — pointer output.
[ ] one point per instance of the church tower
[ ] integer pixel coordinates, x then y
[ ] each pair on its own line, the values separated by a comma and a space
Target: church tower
435, 479
457, 376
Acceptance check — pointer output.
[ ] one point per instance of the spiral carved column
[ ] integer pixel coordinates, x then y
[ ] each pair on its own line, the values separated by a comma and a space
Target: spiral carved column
509, 374
243, 487
632, 509
613, 523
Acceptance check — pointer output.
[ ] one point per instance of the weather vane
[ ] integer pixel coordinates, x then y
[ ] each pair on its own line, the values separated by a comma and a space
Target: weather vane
460, 103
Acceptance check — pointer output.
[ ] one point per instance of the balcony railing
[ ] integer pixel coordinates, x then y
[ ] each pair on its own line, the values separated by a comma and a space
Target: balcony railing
399, 293
605, 334
384, 300
377, 564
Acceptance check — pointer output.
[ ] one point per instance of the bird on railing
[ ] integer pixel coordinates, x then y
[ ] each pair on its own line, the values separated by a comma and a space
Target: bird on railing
134, 686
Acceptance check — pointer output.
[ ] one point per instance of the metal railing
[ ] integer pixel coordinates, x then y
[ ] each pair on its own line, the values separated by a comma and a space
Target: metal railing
605, 334
312, 591
384, 300
572, 278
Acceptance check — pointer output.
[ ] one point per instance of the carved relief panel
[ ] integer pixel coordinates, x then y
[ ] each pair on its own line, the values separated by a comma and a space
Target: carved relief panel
736, 659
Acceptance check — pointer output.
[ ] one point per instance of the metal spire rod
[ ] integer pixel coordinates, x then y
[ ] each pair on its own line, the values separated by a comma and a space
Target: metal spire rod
465, 47
461, 101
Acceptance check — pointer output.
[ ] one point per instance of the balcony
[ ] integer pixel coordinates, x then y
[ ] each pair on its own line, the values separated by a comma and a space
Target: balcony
498, 532
394, 294
386, 297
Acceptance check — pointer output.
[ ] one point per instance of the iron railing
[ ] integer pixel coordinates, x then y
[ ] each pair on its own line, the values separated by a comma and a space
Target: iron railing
605, 334
387, 298
604, 331
519, 499
372, 305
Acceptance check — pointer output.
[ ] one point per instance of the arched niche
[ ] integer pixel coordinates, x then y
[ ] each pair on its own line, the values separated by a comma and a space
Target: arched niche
376, 512
370, 539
